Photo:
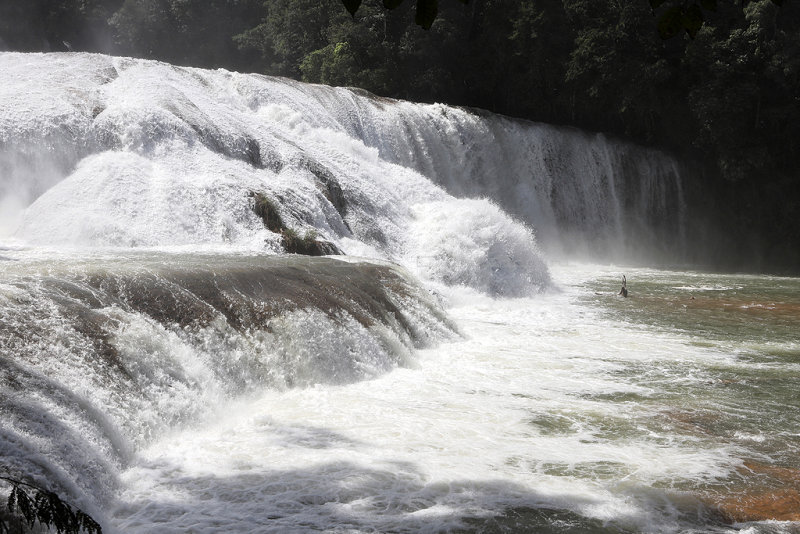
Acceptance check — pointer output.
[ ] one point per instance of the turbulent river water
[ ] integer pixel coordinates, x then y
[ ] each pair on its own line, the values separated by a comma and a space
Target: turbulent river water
573, 412
164, 366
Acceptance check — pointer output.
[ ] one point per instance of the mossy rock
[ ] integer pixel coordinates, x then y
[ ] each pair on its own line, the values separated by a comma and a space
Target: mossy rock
268, 212
307, 245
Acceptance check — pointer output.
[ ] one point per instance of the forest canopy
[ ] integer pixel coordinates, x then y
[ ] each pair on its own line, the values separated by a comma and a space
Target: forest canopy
726, 94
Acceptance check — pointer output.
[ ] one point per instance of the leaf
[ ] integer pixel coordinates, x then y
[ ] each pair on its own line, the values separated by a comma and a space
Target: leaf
44, 513
692, 20
670, 23
655, 4
426, 13
25, 506
12, 499
48, 508
87, 523
61, 515
391, 4
352, 6
710, 5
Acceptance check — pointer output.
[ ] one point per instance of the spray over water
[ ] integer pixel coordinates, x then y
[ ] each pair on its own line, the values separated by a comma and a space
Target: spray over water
167, 368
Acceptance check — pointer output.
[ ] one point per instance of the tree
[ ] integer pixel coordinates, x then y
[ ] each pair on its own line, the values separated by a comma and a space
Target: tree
425, 13
35, 25
678, 16
624, 77
290, 30
745, 98
190, 32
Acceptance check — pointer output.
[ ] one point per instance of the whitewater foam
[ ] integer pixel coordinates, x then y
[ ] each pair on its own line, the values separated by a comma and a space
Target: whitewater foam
157, 155
163, 388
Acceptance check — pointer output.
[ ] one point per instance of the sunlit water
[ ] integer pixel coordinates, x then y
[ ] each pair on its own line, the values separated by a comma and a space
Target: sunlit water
163, 367
575, 411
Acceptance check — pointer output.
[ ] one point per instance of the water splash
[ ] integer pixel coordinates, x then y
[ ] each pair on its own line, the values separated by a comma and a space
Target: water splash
148, 154
104, 352
163, 156
100, 356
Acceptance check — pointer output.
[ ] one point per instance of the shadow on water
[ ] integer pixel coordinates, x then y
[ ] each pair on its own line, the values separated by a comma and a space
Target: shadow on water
346, 497
335, 495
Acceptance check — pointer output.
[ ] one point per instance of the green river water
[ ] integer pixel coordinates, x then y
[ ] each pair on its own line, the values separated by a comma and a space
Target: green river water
744, 395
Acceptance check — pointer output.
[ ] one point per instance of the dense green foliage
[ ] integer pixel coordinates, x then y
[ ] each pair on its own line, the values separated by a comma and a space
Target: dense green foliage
678, 16
426, 11
728, 98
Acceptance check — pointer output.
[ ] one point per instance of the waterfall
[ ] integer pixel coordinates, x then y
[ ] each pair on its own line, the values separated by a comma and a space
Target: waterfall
141, 291
139, 137
586, 195
100, 355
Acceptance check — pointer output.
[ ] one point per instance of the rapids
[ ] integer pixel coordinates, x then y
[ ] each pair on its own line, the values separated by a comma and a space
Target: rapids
167, 368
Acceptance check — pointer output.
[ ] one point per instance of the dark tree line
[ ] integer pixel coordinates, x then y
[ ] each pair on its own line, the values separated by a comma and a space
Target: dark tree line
723, 91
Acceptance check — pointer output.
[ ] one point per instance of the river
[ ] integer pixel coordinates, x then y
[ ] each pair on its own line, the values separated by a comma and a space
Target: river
673, 410
167, 367
576, 410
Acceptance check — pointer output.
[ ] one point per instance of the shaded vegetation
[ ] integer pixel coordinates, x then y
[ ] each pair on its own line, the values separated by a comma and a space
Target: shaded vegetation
29, 504
680, 15
268, 212
722, 91
292, 242
308, 245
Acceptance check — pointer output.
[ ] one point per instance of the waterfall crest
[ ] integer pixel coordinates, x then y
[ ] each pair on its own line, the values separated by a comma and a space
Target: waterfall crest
120, 152
101, 355
141, 289
585, 194
116, 152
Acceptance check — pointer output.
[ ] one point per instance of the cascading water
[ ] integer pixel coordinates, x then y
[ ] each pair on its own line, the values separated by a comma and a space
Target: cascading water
167, 368
100, 355
585, 194
582, 193
104, 350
